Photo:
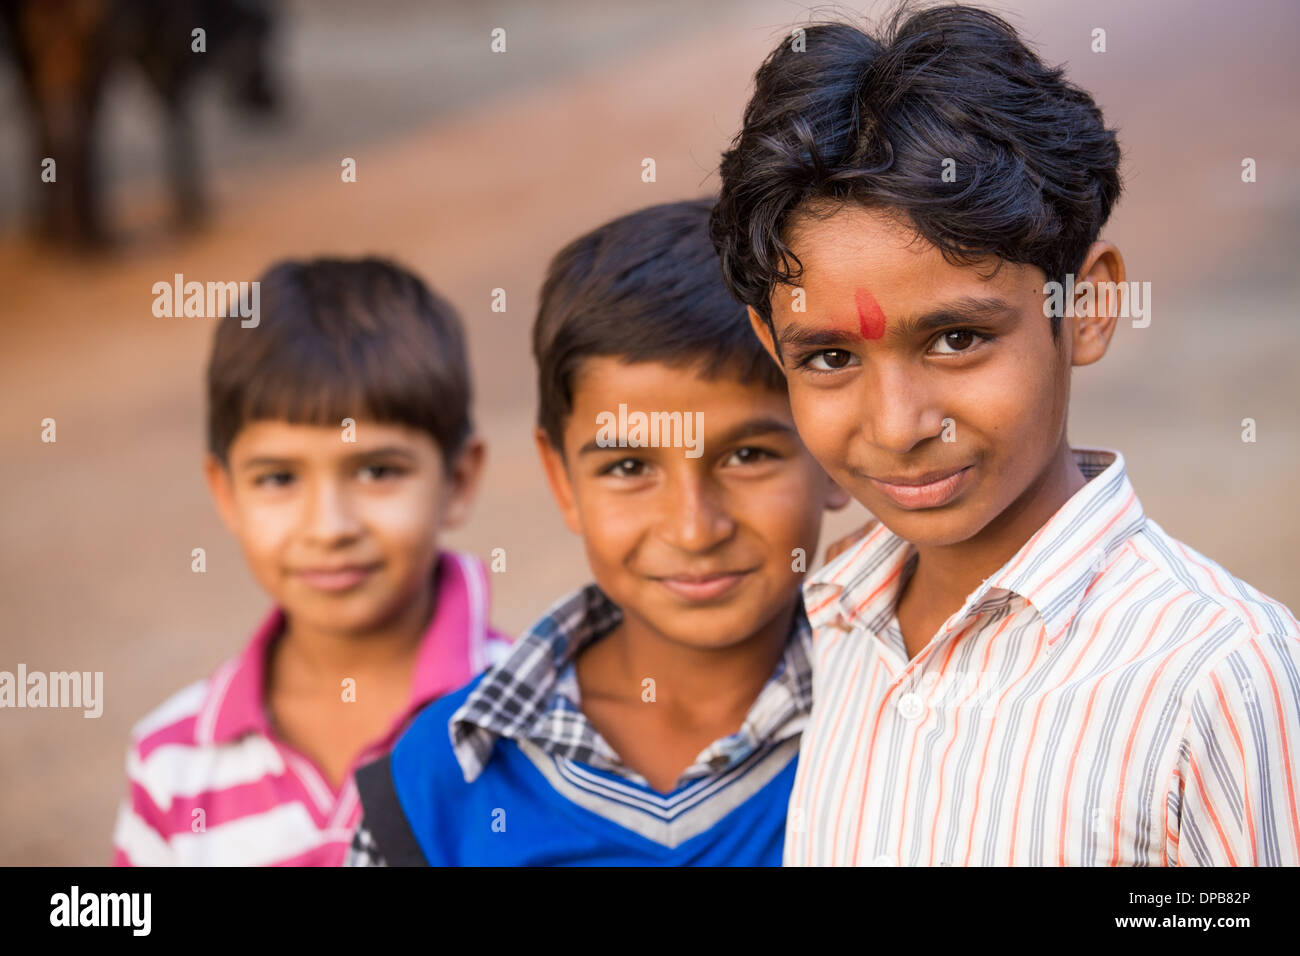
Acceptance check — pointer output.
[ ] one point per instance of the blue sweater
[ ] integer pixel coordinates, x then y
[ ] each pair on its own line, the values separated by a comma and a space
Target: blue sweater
528, 808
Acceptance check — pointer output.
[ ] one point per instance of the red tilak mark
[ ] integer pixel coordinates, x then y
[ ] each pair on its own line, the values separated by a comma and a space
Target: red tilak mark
871, 317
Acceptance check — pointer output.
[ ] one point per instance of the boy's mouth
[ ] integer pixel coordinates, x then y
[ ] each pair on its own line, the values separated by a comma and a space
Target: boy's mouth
927, 490
337, 578
699, 588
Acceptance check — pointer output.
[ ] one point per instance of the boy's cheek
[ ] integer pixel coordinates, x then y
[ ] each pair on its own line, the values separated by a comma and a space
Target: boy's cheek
267, 569
608, 543
263, 530
825, 425
408, 518
786, 527
1014, 421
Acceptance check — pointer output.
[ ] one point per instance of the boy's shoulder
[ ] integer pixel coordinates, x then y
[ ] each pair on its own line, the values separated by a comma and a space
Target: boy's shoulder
198, 740
1243, 650
1188, 572
174, 756
218, 708
427, 739
175, 720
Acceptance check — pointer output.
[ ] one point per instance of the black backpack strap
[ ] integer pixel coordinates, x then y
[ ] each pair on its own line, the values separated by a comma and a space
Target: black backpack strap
385, 835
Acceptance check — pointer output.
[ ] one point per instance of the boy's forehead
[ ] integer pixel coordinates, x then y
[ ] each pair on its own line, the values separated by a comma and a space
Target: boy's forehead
601, 374
603, 383
865, 271
351, 436
858, 247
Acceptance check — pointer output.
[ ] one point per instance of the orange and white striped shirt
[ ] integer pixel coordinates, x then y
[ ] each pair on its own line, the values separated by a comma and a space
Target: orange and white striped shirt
1108, 697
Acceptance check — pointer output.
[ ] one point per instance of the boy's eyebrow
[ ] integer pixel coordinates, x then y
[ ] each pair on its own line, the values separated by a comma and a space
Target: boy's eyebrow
967, 309
801, 336
267, 461
746, 429
384, 450
753, 427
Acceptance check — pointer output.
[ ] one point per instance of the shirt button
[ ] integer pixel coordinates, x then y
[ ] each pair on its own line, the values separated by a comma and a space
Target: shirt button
883, 860
910, 706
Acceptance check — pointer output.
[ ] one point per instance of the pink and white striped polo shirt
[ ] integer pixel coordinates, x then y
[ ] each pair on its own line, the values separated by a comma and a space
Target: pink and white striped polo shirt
210, 748
1108, 697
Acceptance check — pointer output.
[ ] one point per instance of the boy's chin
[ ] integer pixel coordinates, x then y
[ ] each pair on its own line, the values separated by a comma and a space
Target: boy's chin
345, 616
934, 528
710, 629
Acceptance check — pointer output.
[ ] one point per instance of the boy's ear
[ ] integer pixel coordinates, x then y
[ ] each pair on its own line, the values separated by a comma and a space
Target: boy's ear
1092, 331
764, 335
557, 476
462, 482
220, 487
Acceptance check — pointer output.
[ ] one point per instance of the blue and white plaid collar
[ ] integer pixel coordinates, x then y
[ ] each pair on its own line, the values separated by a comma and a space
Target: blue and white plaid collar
533, 695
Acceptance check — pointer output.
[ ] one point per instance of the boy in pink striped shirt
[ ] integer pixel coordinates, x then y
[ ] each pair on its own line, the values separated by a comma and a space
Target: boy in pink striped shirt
339, 447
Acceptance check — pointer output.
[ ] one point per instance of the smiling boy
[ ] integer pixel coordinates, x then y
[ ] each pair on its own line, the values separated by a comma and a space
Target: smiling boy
1017, 666
652, 717
340, 446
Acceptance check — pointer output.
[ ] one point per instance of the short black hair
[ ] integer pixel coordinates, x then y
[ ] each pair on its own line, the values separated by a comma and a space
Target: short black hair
339, 338
871, 119
645, 287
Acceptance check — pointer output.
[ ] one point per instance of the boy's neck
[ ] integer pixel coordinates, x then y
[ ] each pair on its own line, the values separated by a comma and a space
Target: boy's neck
946, 575
325, 656
700, 685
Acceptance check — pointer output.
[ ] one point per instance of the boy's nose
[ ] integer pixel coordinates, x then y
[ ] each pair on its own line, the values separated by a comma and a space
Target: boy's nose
329, 515
901, 413
693, 515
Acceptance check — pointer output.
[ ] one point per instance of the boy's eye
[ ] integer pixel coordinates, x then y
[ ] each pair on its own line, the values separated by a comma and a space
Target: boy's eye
379, 472
749, 455
625, 468
273, 479
956, 342
829, 360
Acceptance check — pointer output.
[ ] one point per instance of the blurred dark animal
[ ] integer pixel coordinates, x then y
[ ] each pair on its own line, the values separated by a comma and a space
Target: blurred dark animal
66, 51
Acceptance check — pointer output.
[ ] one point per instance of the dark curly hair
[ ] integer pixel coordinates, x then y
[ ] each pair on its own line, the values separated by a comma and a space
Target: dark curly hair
871, 119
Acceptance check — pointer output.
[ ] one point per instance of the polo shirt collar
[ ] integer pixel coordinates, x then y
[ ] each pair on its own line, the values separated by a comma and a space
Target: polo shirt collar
452, 650
1051, 571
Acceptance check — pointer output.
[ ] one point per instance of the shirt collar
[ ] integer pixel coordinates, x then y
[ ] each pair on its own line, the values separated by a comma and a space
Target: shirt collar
1051, 571
532, 695
523, 697
453, 649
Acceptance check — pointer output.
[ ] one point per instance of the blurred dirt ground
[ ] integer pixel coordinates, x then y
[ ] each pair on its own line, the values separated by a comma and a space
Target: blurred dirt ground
473, 169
